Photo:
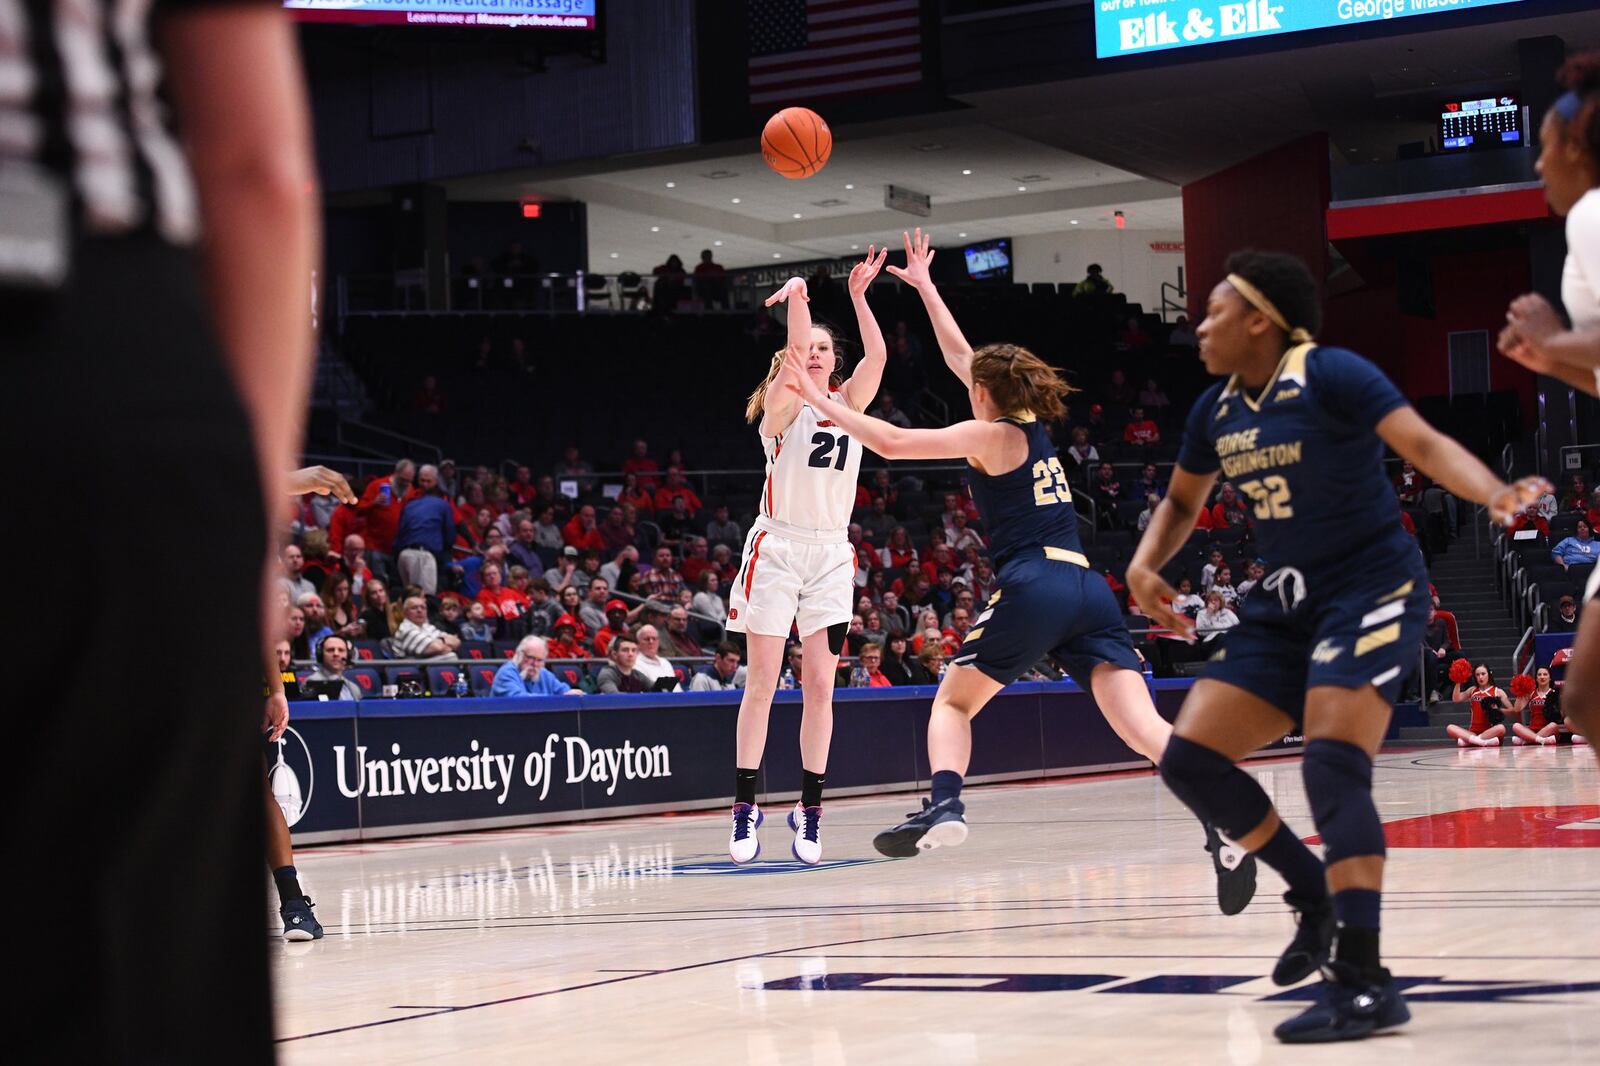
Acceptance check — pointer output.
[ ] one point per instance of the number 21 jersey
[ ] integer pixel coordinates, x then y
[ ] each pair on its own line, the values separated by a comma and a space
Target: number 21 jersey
812, 469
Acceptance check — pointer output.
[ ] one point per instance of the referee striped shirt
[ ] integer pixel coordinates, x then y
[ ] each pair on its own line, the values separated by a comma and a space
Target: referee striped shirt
80, 101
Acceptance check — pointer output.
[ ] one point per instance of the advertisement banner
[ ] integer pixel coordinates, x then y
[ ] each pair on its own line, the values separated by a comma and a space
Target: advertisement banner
348, 770
1130, 27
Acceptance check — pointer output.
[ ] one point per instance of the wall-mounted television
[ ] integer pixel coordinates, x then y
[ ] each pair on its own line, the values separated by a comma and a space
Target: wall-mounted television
989, 260
1474, 125
488, 14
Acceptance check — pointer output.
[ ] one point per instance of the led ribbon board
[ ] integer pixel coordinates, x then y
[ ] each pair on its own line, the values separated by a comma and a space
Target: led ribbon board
1132, 27
497, 14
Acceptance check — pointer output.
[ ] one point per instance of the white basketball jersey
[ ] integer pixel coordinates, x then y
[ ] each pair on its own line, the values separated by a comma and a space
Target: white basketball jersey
812, 468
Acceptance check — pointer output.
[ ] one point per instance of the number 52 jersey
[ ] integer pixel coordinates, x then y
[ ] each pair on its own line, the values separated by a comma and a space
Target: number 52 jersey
1305, 456
812, 469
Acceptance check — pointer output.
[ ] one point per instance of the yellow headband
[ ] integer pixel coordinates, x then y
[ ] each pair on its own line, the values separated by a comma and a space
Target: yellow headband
1258, 299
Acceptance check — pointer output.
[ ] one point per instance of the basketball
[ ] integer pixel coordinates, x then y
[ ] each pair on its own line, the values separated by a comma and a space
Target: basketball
796, 142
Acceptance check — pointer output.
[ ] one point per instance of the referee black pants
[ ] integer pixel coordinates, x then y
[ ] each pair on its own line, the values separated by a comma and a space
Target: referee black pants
134, 542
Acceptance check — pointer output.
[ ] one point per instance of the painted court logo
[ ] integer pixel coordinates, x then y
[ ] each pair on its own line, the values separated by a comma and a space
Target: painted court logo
291, 778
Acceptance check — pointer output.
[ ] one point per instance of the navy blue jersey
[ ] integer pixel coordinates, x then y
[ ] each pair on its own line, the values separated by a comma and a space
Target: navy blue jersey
1304, 455
1030, 508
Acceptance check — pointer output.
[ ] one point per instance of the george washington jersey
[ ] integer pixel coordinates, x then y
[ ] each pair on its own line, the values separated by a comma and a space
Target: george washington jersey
812, 468
1305, 455
1028, 509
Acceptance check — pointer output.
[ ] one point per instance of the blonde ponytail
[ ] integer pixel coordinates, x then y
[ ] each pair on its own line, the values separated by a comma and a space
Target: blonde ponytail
758, 399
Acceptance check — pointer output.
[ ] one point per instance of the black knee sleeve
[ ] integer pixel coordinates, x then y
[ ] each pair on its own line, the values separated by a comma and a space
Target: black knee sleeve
1338, 780
836, 635
1213, 788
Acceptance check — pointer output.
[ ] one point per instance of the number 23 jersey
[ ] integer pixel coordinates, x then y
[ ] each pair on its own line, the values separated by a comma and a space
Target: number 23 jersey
1307, 460
812, 469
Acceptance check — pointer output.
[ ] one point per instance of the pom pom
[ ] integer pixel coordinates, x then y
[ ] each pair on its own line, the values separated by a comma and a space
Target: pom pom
1522, 686
1461, 671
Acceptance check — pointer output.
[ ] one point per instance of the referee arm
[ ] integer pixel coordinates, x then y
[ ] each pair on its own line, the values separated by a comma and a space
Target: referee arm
235, 79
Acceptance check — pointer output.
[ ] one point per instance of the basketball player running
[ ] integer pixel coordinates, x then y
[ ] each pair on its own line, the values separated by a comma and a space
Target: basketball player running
799, 568
1049, 602
1569, 164
1326, 641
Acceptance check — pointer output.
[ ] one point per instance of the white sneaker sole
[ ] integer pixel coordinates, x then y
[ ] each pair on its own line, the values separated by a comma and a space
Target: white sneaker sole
298, 934
944, 835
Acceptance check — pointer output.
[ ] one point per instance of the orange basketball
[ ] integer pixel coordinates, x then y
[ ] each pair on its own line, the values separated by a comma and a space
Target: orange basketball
796, 142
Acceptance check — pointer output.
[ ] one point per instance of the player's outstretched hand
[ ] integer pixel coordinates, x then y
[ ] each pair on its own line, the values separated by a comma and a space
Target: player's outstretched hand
276, 717
792, 287
862, 273
1155, 597
919, 255
1511, 500
322, 481
799, 380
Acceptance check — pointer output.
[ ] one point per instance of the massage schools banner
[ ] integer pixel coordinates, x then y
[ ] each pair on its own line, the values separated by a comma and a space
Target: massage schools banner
1128, 27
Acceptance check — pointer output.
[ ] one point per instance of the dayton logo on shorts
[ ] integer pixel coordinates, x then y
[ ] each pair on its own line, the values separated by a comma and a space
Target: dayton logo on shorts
285, 776
733, 612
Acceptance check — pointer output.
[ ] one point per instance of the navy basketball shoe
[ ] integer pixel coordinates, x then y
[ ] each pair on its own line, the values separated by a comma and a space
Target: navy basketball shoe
936, 825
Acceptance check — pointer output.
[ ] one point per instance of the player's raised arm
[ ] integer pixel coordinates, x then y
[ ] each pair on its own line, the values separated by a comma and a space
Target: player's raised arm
1169, 528
779, 404
971, 439
957, 352
863, 384
1451, 465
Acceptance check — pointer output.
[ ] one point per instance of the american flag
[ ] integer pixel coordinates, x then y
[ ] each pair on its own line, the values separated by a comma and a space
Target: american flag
802, 50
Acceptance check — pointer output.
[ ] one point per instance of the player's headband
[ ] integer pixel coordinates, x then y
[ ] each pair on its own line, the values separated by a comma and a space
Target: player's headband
1568, 105
1258, 299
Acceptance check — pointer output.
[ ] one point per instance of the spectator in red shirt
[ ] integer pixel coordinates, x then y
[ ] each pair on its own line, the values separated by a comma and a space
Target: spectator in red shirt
1140, 431
1576, 497
381, 505
900, 553
1593, 514
521, 488
565, 643
644, 468
1530, 519
1229, 511
616, 531
500, 600
616, 626
953, 502
634, 494
675, 488
1409, 483
581, 532
881, 486
696, 560
347, 519
471, 534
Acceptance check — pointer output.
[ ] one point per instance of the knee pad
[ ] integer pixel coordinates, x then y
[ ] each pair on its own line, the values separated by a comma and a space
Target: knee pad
739, 641
1338, 780
1213, 787
836, 635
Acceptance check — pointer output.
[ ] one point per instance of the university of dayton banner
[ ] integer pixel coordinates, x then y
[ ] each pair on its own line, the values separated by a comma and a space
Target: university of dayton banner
348, 770
1127, 27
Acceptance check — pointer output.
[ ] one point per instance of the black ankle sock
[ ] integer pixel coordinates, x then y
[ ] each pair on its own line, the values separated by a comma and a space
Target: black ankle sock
946, 785
1304, 872
1358, 947
744, 785
811, 788
288, 883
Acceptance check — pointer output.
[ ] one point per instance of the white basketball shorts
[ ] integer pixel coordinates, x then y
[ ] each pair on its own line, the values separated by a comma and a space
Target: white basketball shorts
804, 577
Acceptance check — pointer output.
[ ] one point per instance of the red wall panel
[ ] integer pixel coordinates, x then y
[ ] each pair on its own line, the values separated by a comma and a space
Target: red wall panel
1276, 202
